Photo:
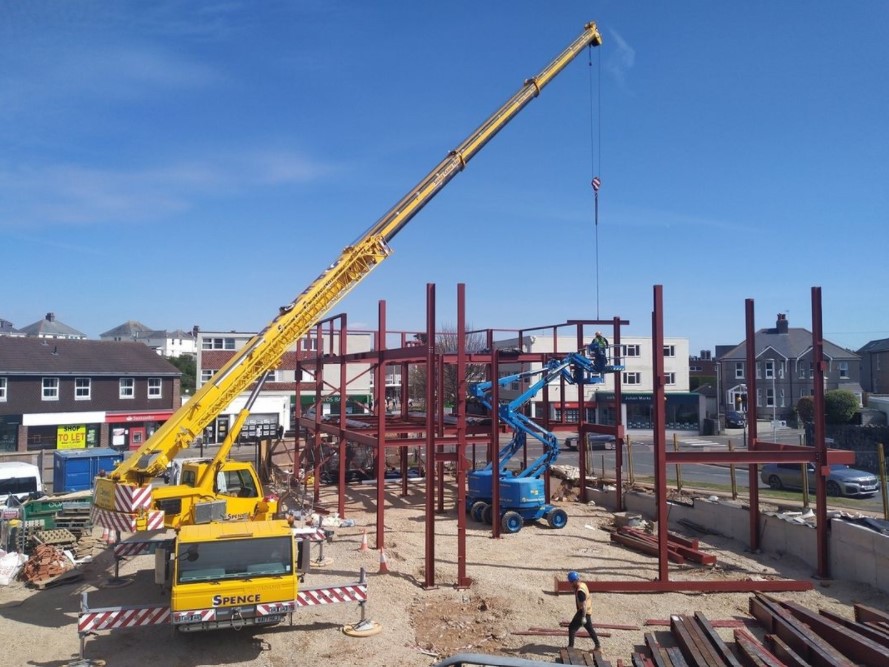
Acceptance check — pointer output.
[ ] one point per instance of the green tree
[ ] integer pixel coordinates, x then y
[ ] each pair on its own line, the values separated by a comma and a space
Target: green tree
805, 408
188, 366
839, 406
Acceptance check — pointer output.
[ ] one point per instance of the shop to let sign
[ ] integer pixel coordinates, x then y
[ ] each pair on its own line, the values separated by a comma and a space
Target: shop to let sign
71, 437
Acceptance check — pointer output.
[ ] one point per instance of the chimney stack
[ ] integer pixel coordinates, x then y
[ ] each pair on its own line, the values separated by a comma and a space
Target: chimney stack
782, 324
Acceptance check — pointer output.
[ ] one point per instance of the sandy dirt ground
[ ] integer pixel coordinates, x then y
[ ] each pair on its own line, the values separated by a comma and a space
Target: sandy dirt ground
512, 590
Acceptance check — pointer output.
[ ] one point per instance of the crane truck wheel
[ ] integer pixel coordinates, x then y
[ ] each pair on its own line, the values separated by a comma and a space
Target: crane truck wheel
476, 510
557, 518
512, 522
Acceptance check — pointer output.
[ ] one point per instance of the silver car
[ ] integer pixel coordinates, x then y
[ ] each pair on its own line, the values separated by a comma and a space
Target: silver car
594, 441
842, 480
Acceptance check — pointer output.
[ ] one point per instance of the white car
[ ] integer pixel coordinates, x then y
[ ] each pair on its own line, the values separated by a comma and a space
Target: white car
594, 441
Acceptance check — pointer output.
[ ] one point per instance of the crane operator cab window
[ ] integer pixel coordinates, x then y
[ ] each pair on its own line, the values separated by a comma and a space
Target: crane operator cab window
236, 483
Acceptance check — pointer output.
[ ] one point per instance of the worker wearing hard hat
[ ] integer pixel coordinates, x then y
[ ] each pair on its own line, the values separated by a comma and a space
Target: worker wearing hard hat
584, 609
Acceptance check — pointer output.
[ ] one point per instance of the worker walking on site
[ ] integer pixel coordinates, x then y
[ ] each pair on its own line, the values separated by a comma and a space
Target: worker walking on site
599, 351
584, 609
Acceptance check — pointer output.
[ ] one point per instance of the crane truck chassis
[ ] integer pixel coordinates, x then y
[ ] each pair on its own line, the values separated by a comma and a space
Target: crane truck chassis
207, 590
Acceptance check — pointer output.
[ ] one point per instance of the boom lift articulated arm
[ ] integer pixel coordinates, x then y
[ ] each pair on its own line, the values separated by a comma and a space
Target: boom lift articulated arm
575, 368
264, 351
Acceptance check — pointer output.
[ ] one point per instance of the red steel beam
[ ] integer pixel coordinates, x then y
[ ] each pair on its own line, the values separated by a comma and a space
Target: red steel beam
646, 586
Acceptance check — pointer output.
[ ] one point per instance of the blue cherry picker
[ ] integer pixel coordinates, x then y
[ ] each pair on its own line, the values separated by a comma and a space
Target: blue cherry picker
522, 496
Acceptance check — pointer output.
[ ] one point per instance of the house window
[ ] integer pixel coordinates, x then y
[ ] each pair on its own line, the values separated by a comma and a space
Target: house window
50, 389
669, 350
309, 343
844, 369
759, 398
739, 370
803, 372
82, 389
671, 378
770, 369
154, 388
3, 389
218, 344
781, 398
127, 388
633, 378
630, 350
770, 398
207, 374
811, 370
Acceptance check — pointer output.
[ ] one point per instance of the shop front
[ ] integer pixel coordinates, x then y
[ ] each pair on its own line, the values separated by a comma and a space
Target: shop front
130, 430
63, 430
683, 410
9, 432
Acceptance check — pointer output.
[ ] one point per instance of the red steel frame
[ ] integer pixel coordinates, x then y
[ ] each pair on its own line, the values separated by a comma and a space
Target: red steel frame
448, 443
442, 443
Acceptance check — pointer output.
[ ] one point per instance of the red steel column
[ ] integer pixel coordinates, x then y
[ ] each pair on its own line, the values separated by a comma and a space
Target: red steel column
381, 435
660, 429
344, 400
430, 436
823, 524
495, 445
752, 470
618, 418
462, 580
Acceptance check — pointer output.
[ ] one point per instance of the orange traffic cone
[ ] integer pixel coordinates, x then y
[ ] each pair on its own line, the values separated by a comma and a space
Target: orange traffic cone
363, 546
384, 566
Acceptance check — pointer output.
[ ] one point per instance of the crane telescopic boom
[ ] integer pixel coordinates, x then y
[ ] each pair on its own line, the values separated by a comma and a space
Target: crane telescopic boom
264, 351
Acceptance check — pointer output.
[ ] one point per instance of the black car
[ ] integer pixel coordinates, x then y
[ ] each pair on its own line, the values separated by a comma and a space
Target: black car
735, 419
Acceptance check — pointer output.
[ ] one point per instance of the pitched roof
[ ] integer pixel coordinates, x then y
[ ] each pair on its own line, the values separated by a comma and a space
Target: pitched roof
881, 345
791, 345
26, 356
129, 329
6, 327
50, 326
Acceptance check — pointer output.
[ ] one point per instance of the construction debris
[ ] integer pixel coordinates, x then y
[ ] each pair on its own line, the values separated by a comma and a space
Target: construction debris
46, 565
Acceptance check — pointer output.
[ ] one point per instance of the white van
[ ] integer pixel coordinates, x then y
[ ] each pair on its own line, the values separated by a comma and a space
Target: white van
19, 480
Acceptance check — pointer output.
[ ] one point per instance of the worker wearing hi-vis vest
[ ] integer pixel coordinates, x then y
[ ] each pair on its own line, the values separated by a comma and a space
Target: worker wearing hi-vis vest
584, 609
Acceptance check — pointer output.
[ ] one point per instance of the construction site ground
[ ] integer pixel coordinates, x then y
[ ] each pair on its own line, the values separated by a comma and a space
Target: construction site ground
512, 591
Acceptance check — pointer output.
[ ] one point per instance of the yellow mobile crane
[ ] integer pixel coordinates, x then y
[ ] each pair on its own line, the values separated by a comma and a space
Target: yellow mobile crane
125, 499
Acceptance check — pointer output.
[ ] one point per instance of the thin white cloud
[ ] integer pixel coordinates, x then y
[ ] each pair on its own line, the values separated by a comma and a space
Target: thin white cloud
620, 59
49, 195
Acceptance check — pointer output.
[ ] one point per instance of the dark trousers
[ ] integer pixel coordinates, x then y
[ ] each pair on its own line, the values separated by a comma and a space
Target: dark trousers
581, 619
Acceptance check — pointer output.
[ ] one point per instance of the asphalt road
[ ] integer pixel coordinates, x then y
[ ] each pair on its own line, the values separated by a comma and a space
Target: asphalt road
642, 449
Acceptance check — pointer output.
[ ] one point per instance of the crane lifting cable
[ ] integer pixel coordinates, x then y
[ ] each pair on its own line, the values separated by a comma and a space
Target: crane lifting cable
595, 128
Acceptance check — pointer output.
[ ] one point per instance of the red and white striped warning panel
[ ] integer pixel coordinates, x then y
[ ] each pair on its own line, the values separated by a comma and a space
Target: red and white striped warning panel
331, 595
194, 616
126, 523
112, 618
129, 498
144, 543
311, 534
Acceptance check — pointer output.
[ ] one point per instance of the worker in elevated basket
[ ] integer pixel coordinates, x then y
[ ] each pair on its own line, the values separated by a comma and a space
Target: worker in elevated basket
584, 609
599, 351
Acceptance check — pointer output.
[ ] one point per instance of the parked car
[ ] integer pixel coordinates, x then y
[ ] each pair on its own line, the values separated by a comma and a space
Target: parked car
842, 481
735, 419
594, 440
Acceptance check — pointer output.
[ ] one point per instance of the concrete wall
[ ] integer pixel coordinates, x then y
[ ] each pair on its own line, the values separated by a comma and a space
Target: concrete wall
856, 553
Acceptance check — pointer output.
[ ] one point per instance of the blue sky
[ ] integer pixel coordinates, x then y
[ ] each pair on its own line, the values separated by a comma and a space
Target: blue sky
201, 163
